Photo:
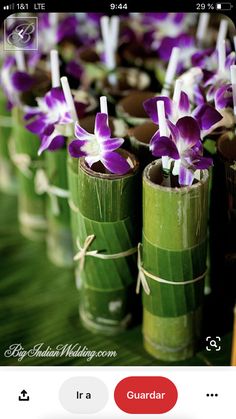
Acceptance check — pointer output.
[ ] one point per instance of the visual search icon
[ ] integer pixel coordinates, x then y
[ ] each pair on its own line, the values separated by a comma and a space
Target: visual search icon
213, 343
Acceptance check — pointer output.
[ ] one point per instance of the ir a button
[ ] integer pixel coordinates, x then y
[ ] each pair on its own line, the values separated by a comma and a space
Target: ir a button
83, 395
146, 395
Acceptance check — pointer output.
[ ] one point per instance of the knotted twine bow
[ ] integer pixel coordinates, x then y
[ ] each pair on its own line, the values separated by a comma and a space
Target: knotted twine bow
83, 252
20, 160
142, 273
42, 186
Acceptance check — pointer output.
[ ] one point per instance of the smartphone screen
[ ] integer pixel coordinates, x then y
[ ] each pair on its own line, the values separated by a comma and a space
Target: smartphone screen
117, 210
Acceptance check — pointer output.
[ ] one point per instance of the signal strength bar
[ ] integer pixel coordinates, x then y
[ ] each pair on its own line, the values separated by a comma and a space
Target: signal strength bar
9, 7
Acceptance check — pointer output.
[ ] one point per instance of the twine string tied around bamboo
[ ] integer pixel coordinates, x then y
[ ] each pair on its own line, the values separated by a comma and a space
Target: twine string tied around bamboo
142, 274
83, 252
42, 186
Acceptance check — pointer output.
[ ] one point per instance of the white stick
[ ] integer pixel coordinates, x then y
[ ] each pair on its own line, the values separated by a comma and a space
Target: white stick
171, 70
105, 28
233, 81
235, 43
221, 55
162, 118
103, 105
20, 60
115, 27
177, 91
55, 68
53, 19
110, 56
202, 26
69, 98
223, 29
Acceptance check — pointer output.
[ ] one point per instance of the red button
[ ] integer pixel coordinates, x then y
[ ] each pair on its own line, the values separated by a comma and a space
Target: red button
146, 395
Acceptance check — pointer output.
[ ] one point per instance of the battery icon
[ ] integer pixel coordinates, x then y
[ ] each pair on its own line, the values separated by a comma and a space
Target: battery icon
224, 6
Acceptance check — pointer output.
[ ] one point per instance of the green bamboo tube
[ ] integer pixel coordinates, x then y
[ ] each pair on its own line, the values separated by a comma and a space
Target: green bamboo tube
31, 206
139, 138
227, 149
7, 170
104, 205
131, 110
128, 80
174, 249
59, 238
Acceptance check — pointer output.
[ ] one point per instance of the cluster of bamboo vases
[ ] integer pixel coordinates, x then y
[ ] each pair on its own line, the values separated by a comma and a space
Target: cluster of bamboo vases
61, 198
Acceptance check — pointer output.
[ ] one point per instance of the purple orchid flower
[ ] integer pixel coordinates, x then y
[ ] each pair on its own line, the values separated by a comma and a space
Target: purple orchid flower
224, 97
184, 147
205, 115
219, 78
52, 111
51, 35
14, 82
99, 146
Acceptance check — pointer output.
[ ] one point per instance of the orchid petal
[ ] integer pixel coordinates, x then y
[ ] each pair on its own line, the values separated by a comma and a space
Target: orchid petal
22, 81
150, 106
203, 163
224, 97
46, 142
75, 148
206, 116
82, 134
184, 104
189, 131
115, 163
111, 144
186, 176
102, 130
164, 146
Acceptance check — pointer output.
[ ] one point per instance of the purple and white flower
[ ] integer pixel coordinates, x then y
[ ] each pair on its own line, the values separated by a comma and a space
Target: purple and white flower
205, 115
52, 111
52, 34
99, 146
219, 78
184, 147
14, 82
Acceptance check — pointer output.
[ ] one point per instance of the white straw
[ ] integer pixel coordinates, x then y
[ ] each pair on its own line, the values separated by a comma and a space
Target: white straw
103, 104
110, 51
20, 60
115, 26
202, 26
69, 98
233, 81
105, 28
171, 70
162, 118
163, 131
177, 91
221, 55
235, 43
53, 19
223, 29
55, 68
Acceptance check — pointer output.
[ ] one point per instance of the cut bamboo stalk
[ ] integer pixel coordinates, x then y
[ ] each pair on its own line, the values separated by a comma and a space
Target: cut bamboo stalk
7, 170
174, 250
59, 238
226, 146
31, 206
104, 205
